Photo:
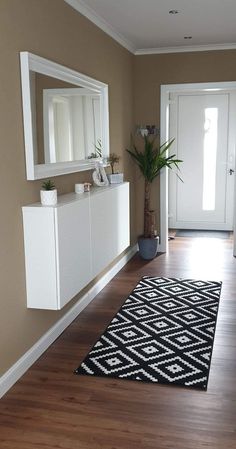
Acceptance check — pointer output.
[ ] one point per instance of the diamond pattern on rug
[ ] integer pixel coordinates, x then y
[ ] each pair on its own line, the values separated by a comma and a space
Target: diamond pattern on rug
164, 332
139, 312
190, 316
113, 362
160, 324
150, 350
168, 304
176, 368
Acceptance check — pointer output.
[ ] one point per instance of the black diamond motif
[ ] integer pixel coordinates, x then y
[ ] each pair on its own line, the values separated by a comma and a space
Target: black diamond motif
103, 344
128, 334
161, 324
119, 320
132, 300
151, 295
202, 356
139, 374
183, 339
190, 316
150, 350
140, 312
113, 362
212, 292
157, 281
177, 289
175, 369
164, 332
206, 329
199, 285
210, 308
169, 304
195, 298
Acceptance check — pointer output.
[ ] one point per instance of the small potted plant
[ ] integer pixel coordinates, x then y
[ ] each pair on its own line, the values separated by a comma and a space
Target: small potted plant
114, 178
48, 193
150, 162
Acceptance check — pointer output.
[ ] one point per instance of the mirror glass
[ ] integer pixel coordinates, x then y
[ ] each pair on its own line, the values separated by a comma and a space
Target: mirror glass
65, 118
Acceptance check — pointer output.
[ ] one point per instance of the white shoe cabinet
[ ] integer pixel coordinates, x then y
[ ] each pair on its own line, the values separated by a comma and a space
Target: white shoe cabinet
68, 245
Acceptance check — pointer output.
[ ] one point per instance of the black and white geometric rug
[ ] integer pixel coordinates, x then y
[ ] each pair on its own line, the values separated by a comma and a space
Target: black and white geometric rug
164, 332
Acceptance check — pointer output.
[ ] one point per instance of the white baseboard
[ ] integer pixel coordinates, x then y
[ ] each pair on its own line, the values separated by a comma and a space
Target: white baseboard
26, 361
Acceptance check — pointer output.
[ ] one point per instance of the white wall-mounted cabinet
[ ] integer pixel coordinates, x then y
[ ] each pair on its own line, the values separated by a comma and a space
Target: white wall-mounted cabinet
109, 226
69, 244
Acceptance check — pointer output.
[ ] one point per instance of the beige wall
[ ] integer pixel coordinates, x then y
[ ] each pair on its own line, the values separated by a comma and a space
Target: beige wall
53, 30
153, 70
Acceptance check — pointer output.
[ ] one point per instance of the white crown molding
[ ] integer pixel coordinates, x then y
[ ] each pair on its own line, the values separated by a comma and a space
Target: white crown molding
162, 50
26, 361
88, 12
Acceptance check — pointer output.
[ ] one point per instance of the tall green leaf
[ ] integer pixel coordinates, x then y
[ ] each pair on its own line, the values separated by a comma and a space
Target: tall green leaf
153, 157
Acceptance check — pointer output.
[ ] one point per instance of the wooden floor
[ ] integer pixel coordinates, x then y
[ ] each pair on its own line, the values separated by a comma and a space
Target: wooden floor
50, 407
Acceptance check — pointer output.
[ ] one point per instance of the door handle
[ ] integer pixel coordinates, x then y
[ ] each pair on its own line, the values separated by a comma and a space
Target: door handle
231, 171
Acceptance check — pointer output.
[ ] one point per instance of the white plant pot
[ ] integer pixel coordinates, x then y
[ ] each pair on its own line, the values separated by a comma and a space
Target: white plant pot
115, 178
48, 197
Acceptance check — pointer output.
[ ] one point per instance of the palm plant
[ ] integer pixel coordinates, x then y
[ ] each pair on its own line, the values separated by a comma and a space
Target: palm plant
150, 162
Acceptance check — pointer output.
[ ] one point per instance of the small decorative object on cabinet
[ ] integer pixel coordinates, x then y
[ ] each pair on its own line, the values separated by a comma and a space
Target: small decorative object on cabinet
79, 188
150, 161
114, 178
87, 186
68, 245
99, 175
48, 194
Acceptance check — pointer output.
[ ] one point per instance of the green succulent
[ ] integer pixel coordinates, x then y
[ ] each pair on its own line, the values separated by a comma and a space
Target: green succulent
48, 185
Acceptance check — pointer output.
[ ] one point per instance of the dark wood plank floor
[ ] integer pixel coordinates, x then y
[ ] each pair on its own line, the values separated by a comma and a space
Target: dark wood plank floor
52, 408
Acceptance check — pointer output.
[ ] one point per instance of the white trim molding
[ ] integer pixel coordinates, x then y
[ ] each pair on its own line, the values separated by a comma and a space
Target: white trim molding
26, 361
184, 49
88, 12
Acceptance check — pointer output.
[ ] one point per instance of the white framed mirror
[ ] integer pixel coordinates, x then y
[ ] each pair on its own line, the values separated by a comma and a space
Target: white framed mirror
66, 118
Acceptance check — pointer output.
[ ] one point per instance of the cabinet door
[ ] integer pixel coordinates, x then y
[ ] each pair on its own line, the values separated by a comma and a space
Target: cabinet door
110, 230
40, 260
73, 249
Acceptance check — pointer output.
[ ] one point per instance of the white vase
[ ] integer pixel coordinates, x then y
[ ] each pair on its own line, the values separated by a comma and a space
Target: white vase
48, 197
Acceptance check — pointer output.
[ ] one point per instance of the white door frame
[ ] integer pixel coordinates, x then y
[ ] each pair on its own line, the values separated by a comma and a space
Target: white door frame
166, 90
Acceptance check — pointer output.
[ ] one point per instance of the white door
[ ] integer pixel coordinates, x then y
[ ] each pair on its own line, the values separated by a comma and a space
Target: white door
203, 127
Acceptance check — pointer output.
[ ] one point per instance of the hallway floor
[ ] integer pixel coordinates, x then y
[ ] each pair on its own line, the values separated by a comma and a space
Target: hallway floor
50, 407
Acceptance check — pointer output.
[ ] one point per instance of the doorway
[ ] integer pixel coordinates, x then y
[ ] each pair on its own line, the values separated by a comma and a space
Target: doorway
201, 119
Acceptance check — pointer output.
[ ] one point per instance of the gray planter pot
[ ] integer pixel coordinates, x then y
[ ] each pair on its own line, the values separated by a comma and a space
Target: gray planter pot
116, 178
148, 247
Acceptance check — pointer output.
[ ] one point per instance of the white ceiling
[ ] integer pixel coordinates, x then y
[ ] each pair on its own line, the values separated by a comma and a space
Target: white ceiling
145, 26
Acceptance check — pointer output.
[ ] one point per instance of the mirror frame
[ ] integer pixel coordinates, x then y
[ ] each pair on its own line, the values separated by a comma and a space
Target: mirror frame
31, 62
